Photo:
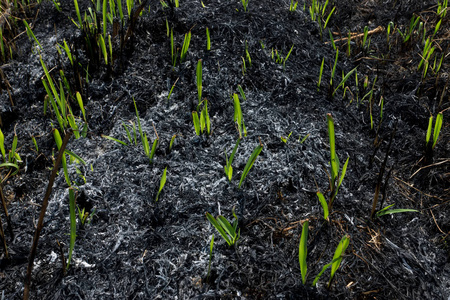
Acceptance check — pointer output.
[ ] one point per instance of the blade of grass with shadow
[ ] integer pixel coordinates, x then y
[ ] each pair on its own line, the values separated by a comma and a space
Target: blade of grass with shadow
303, 251
250, 162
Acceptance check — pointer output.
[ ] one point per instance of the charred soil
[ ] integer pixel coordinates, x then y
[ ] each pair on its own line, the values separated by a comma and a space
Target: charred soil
134, 247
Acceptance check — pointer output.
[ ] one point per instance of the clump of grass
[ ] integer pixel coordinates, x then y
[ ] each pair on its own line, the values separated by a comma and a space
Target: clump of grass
437, 130
279, 59
336, 175
203, 121
228, 231
334, 264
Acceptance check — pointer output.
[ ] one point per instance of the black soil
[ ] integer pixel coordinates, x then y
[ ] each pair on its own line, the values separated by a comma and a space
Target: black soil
136, 248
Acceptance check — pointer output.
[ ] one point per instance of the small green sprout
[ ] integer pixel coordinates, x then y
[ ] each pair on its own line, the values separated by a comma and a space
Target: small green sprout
184, 49
303, 139
279, 59
408, 33
211, 245
293, 5
172, 140
245, 4
332, 40
320, 74
241, 91
228, 168
114, 139
199, 80
238, 117
437, 129
333, 71
336, 177
31, 34
303, 251
344, 79
208, 40
228, 231
285, 139
171, 90
337, 259
161, 184
203, 121
388, 211
324, 204
250, 162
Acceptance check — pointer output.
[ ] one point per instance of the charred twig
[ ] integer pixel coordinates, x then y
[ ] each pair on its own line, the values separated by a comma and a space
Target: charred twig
381, 173
40, 225
5, 209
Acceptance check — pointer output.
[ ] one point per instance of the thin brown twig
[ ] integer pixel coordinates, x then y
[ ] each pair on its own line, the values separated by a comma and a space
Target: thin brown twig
359, 35
431, 211
423, 193
432, 165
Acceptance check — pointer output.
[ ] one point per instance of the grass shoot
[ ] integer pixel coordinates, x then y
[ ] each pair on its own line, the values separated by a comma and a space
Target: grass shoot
303, 251
228, 231
250, 162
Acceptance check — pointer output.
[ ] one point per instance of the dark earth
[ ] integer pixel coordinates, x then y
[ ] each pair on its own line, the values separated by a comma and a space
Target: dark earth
136, 248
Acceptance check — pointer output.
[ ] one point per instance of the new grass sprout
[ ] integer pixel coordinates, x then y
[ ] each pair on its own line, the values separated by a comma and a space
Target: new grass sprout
250, 162
228, 231
336, 175
228, 168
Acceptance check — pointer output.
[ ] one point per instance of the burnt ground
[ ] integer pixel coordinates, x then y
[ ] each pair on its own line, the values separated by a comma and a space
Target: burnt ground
137, 248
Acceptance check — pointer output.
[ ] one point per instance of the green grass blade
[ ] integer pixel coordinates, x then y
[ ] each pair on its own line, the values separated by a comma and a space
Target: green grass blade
219, 228
320, 74
250, 163
199, 80
343, 171
146, 145
437, 128
30, 33
75, 156
241, 91
114, 139
161, 184
324, 204
287, 56
119, 4
234, 150
226, 226
394, 211
323, 270
104, 18
208, 40
303, 251
80, 104
196, 121
338, 254
430, 126
8, 165
333, 160
154, 146
344, 80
